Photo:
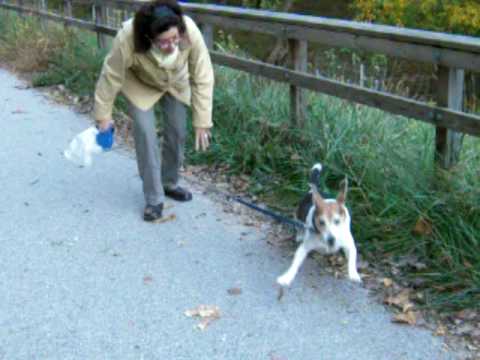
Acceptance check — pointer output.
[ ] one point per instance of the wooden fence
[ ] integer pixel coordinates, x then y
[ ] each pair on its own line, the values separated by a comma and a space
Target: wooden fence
452, 54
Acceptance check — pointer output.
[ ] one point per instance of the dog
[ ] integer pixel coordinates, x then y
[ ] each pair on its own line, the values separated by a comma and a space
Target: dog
327, 228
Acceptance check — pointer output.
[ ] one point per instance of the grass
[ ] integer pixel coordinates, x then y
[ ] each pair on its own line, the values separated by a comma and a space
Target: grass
388, 159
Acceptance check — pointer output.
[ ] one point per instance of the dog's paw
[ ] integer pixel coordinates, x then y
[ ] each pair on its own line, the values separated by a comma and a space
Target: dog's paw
355, 278
284, 280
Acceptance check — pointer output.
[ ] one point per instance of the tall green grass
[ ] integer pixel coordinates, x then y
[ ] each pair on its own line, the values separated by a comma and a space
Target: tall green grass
388, 160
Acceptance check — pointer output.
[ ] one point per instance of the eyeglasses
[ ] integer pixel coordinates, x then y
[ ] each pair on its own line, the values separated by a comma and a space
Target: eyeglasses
166, 43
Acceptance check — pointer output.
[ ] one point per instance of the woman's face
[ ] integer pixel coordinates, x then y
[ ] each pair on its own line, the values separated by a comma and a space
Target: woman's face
168, 40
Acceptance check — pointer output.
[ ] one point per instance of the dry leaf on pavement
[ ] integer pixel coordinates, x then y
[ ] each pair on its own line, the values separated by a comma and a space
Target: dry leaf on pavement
234, 291
207, 313
19, 111
409, 318
169, 217
441, 330
147, 279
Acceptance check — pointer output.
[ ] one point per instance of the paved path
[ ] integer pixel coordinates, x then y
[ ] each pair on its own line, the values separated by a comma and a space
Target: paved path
83, 277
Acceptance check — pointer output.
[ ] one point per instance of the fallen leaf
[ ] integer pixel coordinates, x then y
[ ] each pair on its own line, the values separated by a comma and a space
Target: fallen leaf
169, 217
399, 300
203, 311
203, 324
407, 307
409, 317
19, 111
464, 329
387, 282
234, 291
147, 279
422, 227
441, 330
475, 334
207, 313
295, 157
467, 314
412, 261
472, 347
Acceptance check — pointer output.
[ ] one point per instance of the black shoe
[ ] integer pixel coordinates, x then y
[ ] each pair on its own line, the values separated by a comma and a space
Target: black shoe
179, 194
153, 213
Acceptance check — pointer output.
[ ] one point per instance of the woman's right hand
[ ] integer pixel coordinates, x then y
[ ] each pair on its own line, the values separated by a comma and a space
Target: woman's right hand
104, 124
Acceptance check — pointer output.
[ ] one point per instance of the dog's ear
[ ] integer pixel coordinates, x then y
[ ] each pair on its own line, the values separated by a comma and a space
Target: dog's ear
342, 196
317, 198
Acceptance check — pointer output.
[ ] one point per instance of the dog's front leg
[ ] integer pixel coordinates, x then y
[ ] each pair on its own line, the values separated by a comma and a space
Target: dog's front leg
300, 255
351, 253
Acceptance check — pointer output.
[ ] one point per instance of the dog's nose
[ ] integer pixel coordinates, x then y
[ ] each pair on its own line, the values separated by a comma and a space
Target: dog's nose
330, 240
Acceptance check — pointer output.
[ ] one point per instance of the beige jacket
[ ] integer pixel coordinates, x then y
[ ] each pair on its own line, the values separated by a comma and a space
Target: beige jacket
141, 78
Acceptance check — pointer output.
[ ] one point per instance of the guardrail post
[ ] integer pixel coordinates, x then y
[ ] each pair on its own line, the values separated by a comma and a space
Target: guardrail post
298, 58
207, 31
448, 143
99, 17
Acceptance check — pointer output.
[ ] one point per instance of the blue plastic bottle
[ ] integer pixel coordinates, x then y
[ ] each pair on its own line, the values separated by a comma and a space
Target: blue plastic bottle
105, 138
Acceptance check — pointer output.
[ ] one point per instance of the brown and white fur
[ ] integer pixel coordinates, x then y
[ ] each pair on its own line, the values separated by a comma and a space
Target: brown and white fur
327, 229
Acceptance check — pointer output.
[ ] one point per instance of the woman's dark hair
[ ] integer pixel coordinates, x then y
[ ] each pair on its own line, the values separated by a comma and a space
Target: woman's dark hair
153, 19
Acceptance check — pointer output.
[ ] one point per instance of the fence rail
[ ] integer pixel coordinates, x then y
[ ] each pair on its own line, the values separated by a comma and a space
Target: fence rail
452, 53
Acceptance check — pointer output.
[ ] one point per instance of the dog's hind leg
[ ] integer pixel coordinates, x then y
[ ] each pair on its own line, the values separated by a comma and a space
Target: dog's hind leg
300, 255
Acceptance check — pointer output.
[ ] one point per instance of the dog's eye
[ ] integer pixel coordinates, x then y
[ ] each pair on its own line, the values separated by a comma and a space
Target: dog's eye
321, 222
336, 221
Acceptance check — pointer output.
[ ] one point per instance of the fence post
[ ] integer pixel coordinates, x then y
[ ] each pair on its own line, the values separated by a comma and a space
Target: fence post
207, 31
99, 17
43, 7
298, 58
67, 10
448, 143
7, 12
20, 12
125, 15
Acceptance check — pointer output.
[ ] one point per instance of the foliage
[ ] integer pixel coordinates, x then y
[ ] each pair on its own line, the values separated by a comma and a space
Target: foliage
455, 16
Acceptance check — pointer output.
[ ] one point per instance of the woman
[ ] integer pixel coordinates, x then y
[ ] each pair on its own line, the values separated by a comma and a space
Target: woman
159, 56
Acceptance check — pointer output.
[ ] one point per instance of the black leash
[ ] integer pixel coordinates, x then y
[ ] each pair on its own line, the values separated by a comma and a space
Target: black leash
280, 218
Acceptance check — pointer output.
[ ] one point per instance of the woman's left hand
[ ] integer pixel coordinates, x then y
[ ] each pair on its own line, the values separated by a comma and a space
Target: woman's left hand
202, 138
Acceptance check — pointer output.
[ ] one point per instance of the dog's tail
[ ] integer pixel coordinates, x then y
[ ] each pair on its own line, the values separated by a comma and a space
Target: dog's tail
314, 179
